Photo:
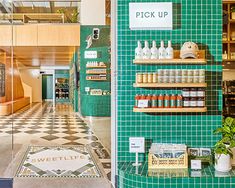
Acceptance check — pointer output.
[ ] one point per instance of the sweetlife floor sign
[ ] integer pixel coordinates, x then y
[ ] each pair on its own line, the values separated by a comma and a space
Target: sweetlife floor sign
149, 16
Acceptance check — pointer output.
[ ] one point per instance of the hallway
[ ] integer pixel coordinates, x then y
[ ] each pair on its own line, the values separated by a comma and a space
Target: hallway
41, 125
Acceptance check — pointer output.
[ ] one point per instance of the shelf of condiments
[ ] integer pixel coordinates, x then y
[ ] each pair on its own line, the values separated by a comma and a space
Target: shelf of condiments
62, 93
97, 64
190, 98
97, 77
172, 76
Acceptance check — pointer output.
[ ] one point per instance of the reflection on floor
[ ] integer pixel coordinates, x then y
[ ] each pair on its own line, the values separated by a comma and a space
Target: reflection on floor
39, 125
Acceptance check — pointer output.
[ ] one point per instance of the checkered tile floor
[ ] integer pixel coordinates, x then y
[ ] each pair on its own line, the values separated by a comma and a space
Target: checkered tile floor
40, 121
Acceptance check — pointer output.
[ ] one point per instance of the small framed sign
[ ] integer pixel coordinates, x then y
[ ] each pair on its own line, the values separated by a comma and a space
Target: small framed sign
137, 144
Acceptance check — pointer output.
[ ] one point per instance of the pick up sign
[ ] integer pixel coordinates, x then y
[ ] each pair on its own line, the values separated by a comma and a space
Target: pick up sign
151, 16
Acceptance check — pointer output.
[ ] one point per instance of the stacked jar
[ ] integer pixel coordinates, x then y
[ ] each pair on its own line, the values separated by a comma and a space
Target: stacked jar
193, 97
147, 77
181, 76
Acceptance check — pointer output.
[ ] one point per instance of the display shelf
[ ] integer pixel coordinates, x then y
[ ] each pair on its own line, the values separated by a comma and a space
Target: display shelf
177, 60
96, 73
96, 79
169, 110
96, 66
169, 85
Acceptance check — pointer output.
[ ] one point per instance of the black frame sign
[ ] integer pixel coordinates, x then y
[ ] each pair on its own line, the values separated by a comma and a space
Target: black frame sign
2, 80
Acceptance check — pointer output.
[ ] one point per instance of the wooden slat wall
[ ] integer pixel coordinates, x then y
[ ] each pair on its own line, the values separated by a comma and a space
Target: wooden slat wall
13, 90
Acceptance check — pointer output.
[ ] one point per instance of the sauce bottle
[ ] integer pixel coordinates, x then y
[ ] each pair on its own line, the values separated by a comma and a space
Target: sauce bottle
179, 103
160, 101
149, 98
173, 101
137, 98
154, 101
167, 101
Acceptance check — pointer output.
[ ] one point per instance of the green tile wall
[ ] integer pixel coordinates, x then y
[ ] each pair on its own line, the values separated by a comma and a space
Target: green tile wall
199, 21
98, 106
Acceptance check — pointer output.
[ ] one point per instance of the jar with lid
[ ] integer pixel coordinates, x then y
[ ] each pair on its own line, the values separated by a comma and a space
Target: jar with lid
193, 92
186, 92
186, 101
200, 92
193, 102
155, 77
145, 77
139, 77
150, 77
201, 102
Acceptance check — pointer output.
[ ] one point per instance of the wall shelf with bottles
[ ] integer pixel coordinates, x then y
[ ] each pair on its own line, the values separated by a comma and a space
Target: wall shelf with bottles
170, 110
177, 60
169, 85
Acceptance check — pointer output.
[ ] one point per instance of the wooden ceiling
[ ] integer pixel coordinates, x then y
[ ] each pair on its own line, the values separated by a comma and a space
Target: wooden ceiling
42, 56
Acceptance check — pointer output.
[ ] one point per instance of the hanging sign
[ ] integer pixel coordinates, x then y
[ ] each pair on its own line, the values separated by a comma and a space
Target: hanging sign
150, 16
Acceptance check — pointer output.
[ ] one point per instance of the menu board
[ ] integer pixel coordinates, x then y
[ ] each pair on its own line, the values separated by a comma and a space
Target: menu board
2, 80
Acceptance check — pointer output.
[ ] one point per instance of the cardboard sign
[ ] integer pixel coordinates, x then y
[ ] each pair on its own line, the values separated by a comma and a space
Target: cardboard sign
136, 144
151, 16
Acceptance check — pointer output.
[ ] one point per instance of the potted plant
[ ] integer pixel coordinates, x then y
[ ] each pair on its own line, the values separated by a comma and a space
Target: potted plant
225, 146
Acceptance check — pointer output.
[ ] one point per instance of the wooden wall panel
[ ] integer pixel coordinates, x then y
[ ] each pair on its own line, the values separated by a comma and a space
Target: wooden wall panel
59, 35
5, 35
26, 35
14, 88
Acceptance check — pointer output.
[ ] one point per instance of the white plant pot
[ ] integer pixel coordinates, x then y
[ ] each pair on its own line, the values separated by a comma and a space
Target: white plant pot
233, 158
223, 163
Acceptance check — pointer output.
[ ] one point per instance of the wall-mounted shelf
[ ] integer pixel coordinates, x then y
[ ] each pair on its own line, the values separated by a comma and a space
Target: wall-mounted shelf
169, 85
177, 60
169, 110
96, 79
90, 72
96, 66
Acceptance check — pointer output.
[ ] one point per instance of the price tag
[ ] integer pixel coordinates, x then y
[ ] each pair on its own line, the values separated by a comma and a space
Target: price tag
87, 89
91, 54
136, 144
196, 164
143, 103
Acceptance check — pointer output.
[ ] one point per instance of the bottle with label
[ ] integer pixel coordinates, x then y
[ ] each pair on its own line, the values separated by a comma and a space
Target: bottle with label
162, 51
179, 101
137, 98
146, 51
201, 102
169, 51
167, 101
160, 101
154, 50
149, 98
173, 101
186, 92
139, 51
154, 101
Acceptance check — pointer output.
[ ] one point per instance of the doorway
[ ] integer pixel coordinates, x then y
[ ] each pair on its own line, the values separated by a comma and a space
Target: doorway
47, 87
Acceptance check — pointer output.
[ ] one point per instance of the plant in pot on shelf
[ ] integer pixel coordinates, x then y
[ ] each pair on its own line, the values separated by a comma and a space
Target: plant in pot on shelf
224, 147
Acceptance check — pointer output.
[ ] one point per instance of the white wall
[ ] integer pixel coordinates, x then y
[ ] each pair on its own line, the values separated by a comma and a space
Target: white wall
92, 12
32, 78
229, 75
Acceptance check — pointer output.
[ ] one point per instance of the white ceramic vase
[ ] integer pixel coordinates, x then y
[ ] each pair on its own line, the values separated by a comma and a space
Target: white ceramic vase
233, 158
223, 163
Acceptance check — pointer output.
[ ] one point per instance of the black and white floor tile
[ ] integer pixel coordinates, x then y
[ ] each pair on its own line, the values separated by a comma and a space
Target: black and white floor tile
41, 121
